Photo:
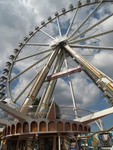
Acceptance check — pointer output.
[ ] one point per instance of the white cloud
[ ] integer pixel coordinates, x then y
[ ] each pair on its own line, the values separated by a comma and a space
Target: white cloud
20, 17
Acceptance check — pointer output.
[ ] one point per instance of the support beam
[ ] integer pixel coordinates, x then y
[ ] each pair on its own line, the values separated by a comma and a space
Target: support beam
99, 124
90, 47
51, 86
4, 122
59, 143
45, 90
37, 85
99, 78
92, 117
16, 114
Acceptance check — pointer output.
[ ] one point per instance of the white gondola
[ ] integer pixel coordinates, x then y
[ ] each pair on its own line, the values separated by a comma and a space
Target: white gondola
56, 14
49, 18
16, 50
70, 6
30, 33
20, 44
11, 57
8, 64
2, 95
5, 72
36, 27
42, 23
87, 1
2, 87
25, 38
79, 3
3, 79
63, 10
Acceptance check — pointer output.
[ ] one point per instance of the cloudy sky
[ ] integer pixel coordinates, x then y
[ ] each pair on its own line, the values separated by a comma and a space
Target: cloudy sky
18, 17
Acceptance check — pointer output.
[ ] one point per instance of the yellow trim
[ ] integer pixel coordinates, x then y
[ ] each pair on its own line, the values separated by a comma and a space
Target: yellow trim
1, 135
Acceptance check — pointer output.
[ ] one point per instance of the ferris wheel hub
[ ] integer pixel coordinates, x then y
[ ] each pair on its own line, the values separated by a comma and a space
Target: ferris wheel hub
57, 41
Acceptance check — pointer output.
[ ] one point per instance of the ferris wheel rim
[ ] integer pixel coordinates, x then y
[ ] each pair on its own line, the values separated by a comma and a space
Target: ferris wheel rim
46, 24
8, 82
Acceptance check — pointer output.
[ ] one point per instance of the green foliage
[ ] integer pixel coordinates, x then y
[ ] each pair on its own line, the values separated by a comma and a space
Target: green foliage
36, 101
57, 111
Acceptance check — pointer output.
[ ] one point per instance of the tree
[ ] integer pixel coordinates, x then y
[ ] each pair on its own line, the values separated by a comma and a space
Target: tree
36, 101
57, 109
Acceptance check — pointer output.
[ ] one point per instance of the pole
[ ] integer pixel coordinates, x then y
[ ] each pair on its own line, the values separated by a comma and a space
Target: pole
59, 145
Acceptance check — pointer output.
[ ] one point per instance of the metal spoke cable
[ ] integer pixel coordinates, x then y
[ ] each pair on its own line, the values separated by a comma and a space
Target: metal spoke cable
93, 55
93, 42
42, 52
71, 23
71, 87
30, 67
90, 37
91, 47
85, 20
47, 34
37, 44
96, 24
59, 26
27, 86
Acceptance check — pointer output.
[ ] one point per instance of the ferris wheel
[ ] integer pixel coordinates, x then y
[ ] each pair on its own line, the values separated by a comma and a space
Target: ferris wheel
63, 45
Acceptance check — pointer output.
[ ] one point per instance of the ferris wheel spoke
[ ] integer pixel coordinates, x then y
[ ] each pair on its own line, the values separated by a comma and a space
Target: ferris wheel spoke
90, 37
68, 30
91, 47
71, 88
36, 87
27, 86
47, 34
85, 20
87, 55
93, 55
36, 54
90, 28
37, 44
59, 26
45, 90
52, 83
31, 66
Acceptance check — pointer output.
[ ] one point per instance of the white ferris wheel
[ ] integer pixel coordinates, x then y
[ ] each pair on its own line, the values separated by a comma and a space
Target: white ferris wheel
63, 45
